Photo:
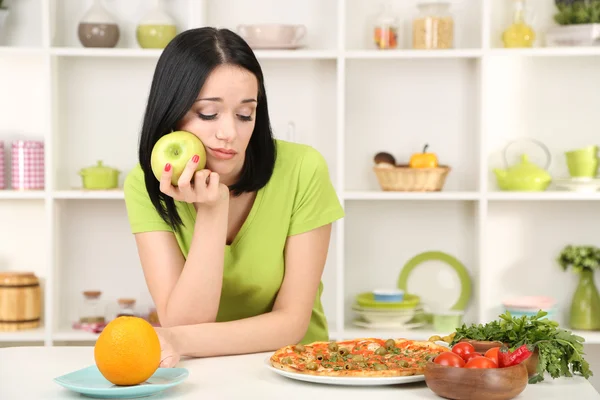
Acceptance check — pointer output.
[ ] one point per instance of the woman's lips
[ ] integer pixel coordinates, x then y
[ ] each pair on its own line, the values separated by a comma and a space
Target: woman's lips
222, 154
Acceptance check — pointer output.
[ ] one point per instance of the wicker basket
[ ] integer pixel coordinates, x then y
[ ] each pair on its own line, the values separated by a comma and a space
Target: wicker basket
402, 178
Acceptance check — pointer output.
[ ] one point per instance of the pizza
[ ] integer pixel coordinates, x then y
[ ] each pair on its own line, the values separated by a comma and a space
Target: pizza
362, 357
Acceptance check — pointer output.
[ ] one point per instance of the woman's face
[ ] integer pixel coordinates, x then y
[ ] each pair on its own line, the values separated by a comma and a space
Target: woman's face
223, 117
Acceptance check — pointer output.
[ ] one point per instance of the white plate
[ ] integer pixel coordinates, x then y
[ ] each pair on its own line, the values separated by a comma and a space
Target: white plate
347, 380
388, 325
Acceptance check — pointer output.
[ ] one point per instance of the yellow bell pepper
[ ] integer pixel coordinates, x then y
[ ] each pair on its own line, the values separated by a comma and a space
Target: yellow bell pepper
424, 159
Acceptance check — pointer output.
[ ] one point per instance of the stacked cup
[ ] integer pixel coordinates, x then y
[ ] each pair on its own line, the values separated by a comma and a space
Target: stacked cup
583, 163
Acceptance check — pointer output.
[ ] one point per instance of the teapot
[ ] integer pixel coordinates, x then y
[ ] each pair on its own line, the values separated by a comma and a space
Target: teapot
524, 176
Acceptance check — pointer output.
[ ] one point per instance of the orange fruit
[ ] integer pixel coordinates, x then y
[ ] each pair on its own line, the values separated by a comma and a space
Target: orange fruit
127, 351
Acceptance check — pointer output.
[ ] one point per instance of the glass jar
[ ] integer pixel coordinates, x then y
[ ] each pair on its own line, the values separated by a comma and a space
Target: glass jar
126, 308
433, 28
385, 31
91, 311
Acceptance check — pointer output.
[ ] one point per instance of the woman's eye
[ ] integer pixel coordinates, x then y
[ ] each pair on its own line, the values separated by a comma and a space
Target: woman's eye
207, 117
245, 117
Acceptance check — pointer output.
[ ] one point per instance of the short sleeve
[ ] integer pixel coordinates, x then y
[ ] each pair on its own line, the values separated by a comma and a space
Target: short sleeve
141, 213
316, 202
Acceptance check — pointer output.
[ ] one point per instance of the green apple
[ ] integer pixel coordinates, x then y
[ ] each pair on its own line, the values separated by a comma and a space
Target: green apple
176, 148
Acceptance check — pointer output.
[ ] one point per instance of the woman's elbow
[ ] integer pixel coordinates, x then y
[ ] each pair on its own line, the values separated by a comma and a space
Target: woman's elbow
170, 319
298, 325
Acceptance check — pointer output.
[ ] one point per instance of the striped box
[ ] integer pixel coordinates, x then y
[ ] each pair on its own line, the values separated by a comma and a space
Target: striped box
27, 168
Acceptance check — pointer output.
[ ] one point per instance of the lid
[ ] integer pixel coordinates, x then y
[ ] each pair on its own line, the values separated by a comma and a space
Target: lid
386, 16
28, 144
126, 302
17, 278
433, 4
92, 293
99, 167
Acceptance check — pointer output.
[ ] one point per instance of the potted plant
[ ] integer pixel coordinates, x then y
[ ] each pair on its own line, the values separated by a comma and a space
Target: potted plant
585, 305
578, 23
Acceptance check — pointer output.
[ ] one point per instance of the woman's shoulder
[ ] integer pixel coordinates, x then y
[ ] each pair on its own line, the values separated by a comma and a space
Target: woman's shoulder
298, 158
134, 181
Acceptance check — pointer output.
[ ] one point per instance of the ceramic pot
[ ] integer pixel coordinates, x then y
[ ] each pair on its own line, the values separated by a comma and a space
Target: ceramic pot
100, 177
98, 28
585, 306
156, 29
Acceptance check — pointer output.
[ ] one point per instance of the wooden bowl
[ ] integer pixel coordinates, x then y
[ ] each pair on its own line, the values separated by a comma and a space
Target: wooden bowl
481, 346
476, 383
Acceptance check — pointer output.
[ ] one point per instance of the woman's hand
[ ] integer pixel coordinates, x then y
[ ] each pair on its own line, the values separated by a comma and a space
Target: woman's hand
202, 187
169, 357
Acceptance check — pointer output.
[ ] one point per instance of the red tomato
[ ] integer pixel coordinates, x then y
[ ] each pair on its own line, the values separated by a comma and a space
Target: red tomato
492, 354
449, 359
467, 357
463, 348
481, 362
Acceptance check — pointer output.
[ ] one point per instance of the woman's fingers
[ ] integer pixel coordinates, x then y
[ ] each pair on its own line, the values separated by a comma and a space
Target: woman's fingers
185, 180
165, 181
213, 187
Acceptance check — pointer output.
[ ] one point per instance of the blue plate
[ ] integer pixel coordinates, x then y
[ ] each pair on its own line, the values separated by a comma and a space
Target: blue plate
90, 382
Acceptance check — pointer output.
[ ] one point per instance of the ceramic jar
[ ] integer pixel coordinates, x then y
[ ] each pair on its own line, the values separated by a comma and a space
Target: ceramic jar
98, 28
99, 177
156, 29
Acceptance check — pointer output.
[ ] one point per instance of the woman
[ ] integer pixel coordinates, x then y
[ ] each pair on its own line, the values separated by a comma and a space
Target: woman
233, 254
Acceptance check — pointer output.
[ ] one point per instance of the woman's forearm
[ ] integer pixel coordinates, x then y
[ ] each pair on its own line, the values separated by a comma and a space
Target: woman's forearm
265, 332
195, 297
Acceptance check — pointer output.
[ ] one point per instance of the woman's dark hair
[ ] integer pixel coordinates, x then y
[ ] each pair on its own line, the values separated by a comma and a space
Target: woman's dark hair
181, 71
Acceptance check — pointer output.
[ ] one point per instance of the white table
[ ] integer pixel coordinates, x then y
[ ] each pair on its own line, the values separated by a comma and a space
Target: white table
28, 372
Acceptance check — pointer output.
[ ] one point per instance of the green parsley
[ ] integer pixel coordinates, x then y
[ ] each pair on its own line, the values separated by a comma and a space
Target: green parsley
560, 351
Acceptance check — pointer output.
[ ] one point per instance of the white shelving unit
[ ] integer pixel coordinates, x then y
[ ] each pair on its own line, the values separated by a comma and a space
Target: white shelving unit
346, 99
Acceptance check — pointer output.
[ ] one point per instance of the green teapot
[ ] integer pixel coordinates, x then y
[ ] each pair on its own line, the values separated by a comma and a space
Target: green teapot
524, 176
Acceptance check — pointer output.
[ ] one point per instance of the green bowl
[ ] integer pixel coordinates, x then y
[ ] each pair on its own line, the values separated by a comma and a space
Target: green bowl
367, 299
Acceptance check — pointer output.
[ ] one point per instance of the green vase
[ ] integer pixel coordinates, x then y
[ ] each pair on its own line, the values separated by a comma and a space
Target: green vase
585, 307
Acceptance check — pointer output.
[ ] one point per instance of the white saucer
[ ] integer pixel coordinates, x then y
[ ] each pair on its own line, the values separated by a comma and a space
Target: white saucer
578, 184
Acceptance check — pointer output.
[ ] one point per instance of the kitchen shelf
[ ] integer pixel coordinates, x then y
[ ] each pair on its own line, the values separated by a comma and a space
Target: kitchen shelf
346, 99
402, 54
543, 196
379, 195
22, 194
116, 194
29, 335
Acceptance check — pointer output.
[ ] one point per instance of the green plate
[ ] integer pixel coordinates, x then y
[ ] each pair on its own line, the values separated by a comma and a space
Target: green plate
460, 269
367, 299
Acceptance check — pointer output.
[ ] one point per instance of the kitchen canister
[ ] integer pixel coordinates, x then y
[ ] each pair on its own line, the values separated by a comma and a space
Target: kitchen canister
2, 183
27, 167
20, 301
98, 28
156, 28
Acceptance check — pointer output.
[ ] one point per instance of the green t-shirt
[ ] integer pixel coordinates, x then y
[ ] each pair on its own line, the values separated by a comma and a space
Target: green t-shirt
298, 198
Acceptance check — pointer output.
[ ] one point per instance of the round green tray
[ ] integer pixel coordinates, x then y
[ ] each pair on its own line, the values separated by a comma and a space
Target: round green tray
463, 274
367, 299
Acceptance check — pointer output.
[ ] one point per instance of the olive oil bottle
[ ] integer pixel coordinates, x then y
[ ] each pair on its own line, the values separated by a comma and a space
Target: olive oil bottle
519, 33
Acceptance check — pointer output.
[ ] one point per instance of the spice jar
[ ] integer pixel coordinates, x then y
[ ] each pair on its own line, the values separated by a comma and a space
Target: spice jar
385, 31
126, 307
91, 311
433, 28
